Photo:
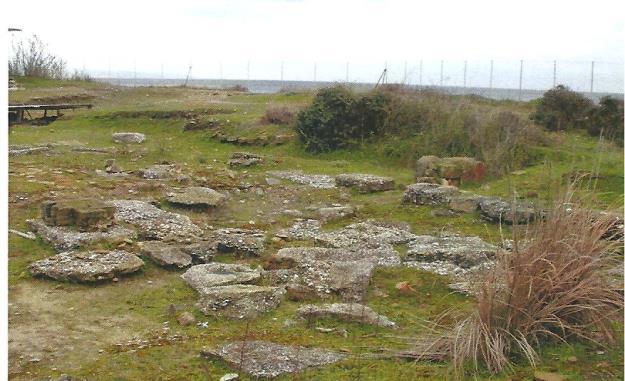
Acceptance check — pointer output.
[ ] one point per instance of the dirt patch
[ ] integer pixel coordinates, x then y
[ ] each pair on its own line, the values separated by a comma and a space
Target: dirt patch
66, 326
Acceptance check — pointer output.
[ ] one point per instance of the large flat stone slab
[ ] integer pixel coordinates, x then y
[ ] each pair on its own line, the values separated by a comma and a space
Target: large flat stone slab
197, 197
349, 312
364, 234
84, 215
239, 301
299, 177
88, 266
128, 137
266, 359
203, 277
461, 251
64, 238
153, 223
365, 183
166, 255
239, 241
327, 271
495, 209
429, 194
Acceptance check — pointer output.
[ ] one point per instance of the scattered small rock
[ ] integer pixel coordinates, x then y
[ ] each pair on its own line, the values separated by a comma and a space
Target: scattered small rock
128, 137
186, 319
350, 312
365, 183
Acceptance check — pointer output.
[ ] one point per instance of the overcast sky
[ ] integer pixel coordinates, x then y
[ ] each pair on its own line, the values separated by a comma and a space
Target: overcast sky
219, 37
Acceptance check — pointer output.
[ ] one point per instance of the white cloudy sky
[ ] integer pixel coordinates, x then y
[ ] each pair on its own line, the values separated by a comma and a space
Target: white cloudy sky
366, 33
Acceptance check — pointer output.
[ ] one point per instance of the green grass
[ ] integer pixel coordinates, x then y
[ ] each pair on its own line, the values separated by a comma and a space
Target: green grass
144, 306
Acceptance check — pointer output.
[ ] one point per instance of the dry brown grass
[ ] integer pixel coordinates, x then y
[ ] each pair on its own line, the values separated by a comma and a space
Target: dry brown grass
278, 115
554, 285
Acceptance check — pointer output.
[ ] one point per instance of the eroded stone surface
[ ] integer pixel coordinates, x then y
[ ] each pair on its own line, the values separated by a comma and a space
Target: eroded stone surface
326, 271
88, 266
364, 233
315, 181
197, 196
244, 159
154, 223
85, 215
461, 251
365, 183
335, 212
166, 255
429, 194
64, 238
203, 277
128, 137
240, 241
266, 359
305, 229
163, 172
239, 301
496, 210
350, 312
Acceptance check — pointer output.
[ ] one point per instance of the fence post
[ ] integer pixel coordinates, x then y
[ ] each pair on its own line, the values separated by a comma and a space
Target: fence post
441, 80
592, 75
520, 80
554, 73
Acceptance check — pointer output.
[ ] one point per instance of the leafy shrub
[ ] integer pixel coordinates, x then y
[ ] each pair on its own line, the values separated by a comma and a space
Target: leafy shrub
337, 118
34, 59
607, 118
278, 115
561, 108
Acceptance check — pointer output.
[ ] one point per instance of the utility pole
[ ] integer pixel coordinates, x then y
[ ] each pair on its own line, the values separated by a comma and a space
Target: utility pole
441, 80
490, 81
592, 76
420, 72
520, 80
464, 79
554, 73
405, 72
186, 81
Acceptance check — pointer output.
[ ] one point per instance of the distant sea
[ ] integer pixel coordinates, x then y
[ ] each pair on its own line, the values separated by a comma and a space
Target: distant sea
273, 86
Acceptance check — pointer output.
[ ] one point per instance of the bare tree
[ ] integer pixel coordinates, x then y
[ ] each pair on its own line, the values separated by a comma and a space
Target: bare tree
33, 59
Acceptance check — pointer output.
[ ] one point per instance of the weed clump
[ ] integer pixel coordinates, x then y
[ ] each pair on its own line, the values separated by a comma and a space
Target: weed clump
278, 115
553, 286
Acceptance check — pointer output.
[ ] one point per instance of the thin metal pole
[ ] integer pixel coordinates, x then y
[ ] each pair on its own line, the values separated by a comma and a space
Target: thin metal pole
464, 81
520, 80
554, 72
385, 79
405, 72
282, 71
315, 72
490, 81
441, 81
420, 72
592, 76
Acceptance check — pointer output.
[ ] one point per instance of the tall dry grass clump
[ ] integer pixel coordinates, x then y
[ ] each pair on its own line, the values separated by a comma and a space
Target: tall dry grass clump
554, 285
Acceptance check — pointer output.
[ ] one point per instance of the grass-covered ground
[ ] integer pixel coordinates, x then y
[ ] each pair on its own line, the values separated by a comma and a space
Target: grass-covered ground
75, 329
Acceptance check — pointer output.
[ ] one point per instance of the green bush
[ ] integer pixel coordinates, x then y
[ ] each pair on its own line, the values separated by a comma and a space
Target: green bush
607, 119
561, 108
338, 118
